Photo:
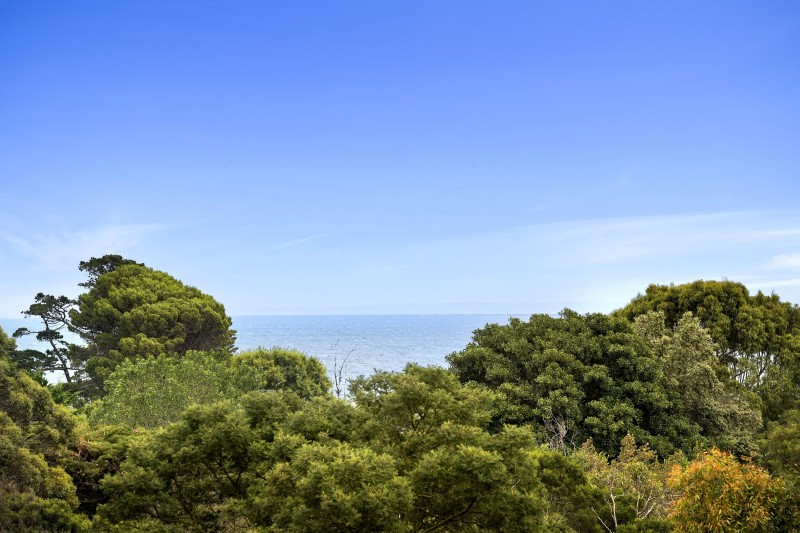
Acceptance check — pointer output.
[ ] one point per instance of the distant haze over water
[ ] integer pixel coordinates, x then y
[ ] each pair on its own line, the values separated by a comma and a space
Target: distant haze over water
369, 342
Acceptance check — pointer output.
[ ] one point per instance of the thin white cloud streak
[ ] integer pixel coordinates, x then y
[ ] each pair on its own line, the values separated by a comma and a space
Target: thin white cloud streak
794, 282
784, 261
295, 242
276, 247
593, 264
616, 240
55, 249
608, 241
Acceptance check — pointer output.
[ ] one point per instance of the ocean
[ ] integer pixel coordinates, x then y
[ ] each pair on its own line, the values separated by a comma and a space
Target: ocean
361, 343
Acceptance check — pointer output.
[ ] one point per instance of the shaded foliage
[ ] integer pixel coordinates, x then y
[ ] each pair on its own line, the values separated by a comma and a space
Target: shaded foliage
756, 335
728, 414
36, 494
576, 377
411, 453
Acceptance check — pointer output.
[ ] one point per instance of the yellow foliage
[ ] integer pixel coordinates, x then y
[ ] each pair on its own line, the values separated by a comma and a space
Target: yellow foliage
720, 493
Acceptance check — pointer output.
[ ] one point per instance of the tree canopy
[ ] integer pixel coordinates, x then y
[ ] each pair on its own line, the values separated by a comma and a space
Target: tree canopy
757, 336
35, 435
129, 311
728, 414
719, 493
134, 311
577, 377
155, 391
587, 423
54, 315
410, 454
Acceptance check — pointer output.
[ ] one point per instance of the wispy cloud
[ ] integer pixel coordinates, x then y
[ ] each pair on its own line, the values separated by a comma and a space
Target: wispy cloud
605, 261
783, 261
65, 246
793, 282
295, 242
625, 239
280, 246
632, 240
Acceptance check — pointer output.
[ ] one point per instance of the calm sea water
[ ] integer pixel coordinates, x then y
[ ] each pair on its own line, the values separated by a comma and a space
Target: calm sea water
368, 342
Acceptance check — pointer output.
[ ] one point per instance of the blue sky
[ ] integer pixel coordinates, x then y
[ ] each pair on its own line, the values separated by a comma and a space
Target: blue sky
401, 157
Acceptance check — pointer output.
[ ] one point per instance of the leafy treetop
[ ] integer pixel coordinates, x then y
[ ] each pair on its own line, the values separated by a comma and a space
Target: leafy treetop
134, 311
757, 336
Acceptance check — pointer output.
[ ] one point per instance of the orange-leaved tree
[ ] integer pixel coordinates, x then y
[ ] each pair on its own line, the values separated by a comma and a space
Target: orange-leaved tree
720, 493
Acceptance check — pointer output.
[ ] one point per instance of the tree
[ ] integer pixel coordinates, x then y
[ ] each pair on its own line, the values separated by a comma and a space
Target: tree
98, 452
573, 378
569, 495
36, 494
719, 493
756, 336
53, 311
406, 411
155, 391
7, 345
280, 369
334, 487
134, 311
728, 413
410, 452
780, 445
97, 266
633, 485
190, 476
462, 476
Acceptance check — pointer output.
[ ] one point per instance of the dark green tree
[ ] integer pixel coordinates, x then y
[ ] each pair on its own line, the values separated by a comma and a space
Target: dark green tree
97, 453
780, 446
728, 413
757, 336
409, 452
132, 311
97, 266
53, 311
576, 377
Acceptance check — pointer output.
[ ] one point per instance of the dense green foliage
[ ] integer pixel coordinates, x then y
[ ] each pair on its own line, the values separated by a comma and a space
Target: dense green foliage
279, 369
36, 493
7, 345
410, 454
129, 311
155, 391
727, 413
577, 377
757, 336
134, 311
588, 423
